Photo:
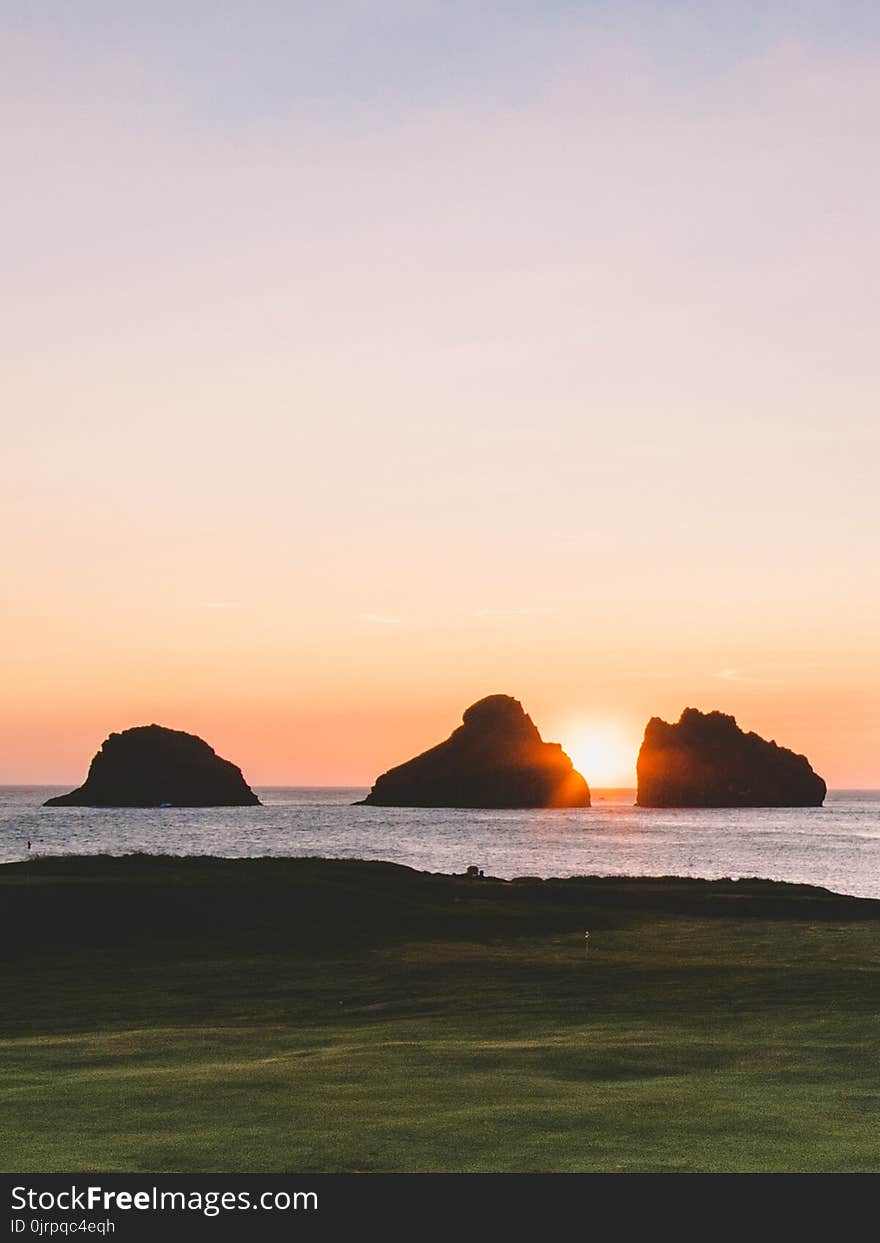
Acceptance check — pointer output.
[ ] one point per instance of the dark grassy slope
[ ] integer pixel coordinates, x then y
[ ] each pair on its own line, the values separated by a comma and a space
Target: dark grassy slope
210, 1014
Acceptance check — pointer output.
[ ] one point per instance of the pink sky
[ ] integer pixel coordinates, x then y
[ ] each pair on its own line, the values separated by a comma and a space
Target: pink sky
552, 375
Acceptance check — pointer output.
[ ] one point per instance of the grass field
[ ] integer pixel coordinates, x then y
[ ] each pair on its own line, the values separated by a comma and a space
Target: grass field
316, 1016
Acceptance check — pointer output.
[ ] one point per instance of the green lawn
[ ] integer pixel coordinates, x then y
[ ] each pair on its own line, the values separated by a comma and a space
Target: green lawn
312, 1015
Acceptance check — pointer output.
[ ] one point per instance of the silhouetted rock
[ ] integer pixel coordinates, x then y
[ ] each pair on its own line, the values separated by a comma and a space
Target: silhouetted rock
151, 766
706, 760
494, 759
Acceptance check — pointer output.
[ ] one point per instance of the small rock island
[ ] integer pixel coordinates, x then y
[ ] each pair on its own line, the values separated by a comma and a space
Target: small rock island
496, 758
706, 760
151, 766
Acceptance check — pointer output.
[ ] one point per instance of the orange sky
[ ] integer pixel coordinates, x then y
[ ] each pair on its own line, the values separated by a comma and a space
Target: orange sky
337, 399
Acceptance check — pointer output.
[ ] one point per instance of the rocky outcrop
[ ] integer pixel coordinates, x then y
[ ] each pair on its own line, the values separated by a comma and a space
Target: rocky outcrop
495, 758
151, 766
706, 760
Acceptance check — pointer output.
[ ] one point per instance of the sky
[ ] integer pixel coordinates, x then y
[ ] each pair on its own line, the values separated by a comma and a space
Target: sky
361, 359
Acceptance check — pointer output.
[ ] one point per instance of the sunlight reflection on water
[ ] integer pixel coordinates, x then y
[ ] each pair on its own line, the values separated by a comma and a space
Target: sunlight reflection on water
836, 846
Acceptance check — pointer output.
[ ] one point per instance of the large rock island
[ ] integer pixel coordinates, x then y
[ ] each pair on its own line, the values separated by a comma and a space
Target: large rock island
151, 766
496, 758
706, 760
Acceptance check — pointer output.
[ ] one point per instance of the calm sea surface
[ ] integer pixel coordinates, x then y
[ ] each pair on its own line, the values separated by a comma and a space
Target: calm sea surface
836, 846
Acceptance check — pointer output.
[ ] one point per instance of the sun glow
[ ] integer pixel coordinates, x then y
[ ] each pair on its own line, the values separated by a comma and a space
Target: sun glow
602, 752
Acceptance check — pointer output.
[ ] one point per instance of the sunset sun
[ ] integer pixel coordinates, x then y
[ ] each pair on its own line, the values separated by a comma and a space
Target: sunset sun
602, 752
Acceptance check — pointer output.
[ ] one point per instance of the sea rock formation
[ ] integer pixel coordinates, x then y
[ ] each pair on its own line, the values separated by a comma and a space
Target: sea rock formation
496, 758
706, 760
151, 766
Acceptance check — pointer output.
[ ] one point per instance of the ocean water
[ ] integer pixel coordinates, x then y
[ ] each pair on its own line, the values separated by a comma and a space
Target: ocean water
836, 846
